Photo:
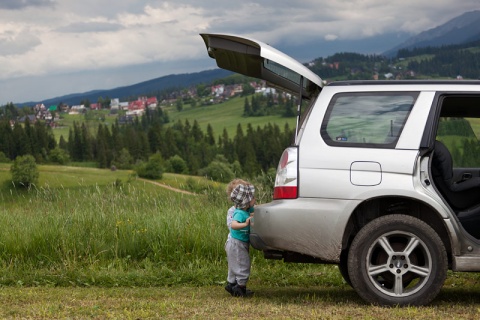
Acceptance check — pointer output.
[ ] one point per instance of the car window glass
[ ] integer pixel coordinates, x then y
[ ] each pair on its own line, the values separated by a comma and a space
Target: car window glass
459, 129
371, 119
461, 136
281, 71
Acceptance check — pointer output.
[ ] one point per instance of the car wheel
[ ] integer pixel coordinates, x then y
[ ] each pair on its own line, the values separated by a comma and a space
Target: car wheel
397, 260
343, 267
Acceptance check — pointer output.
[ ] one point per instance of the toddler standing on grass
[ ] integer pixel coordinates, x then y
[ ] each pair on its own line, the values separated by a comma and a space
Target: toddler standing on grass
237, 246
230, 187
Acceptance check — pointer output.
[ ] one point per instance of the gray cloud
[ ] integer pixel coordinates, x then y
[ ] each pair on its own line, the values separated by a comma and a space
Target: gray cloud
86, 27
15, 44
38, 42
21, 4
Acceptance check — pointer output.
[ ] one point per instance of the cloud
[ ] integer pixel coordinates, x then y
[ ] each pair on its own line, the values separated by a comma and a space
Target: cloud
331, 37
13, 43
44, 38
21, 4
87, 27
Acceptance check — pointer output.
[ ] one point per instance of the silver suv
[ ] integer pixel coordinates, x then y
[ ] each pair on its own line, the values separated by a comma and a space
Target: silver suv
383, 177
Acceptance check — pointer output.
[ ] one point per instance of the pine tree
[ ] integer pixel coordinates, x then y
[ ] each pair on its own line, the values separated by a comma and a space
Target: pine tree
247, 110
20, 141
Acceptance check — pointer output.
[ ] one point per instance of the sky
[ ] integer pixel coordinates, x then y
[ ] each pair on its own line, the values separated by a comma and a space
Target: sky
50, 48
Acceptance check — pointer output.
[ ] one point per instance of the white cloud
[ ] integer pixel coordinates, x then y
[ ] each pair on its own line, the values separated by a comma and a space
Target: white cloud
48, 37
331, 37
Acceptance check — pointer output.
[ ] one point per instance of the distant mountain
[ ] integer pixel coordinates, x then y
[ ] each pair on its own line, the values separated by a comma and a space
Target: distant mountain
462, 29
143, 88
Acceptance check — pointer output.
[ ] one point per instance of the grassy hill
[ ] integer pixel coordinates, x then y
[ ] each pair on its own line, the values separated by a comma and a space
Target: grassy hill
223, 115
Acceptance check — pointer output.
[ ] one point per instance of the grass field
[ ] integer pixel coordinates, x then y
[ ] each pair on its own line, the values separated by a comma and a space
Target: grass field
95, 243
224, 115
212, 302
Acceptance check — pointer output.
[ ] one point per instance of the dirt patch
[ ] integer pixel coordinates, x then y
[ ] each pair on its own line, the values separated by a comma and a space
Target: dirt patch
167, 187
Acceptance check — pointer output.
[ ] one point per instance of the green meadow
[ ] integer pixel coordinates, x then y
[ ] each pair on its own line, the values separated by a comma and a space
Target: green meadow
87, 226
226, 115
95, 243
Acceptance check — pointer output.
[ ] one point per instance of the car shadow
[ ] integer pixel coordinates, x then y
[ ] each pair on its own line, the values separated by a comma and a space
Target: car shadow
346, 295
458, 296
285, 295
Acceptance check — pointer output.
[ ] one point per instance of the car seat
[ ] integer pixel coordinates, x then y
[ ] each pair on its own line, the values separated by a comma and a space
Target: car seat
463, 196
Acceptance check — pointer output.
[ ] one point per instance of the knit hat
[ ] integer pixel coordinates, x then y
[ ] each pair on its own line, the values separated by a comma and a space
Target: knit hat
242, 195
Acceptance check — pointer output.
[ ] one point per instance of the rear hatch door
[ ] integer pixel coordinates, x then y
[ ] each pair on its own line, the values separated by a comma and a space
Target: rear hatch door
259, 60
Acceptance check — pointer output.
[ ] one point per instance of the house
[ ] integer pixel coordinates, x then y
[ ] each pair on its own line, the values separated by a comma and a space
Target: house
77, 109
39, 107
95, 106
136, 105
114, 104
218, 90
64, 108
152, 102
123, 105
31, 118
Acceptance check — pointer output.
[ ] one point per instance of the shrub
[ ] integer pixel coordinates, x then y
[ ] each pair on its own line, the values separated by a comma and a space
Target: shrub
124, 160
4, 158
60, 156
177, 165
24, 171
218, 171
153, 169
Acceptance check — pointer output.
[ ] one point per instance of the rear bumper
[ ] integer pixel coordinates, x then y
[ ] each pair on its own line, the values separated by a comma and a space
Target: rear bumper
309, 226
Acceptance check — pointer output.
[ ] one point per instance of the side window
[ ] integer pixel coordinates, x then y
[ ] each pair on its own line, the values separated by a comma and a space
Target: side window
459, 129
367, 119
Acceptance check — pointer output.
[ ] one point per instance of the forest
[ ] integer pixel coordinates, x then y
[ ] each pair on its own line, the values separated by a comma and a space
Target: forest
182, 147
417, 63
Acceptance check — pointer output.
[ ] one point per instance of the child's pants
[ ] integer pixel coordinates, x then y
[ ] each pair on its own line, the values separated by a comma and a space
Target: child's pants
238, 261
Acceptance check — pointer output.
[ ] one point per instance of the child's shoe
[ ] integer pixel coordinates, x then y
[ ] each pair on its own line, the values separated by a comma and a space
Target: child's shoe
229, 287
241, 291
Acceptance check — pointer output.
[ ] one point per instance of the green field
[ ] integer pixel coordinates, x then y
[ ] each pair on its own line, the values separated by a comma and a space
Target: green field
95, 243
97, 117
224, 115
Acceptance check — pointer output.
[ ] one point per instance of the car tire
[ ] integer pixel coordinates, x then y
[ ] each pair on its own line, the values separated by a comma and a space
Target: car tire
397, 260
343, 267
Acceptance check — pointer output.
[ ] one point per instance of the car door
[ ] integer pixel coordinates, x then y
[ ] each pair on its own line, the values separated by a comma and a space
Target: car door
259, 60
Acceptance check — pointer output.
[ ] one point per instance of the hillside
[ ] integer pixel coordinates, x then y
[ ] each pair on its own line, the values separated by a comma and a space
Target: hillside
462, 29
150, 87
227, 115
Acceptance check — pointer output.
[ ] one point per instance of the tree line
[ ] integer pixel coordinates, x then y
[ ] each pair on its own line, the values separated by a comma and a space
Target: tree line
182, 147
269, 104
446, 61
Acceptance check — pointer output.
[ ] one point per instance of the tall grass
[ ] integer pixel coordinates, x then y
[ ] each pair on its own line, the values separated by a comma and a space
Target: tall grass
83, 226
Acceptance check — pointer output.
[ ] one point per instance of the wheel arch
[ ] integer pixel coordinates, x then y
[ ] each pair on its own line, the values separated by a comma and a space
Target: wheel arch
373, 208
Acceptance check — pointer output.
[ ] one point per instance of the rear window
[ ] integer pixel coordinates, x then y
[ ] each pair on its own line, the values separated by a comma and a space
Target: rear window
367, 119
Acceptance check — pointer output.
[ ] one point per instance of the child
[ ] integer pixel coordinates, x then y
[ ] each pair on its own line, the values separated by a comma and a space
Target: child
230, 187
237, 245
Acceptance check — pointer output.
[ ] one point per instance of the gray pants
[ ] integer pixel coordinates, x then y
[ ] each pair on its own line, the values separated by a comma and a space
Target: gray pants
238, 261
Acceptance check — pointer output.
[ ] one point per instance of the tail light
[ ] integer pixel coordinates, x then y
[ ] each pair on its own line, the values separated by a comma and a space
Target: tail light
286, 181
